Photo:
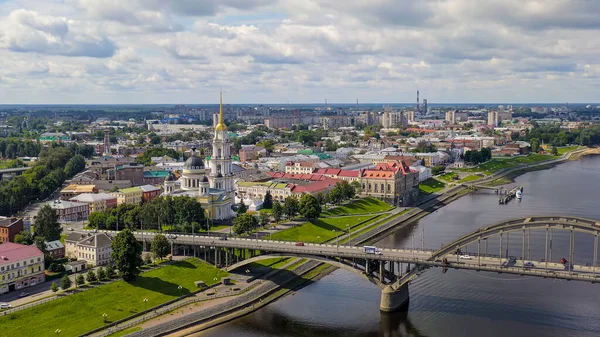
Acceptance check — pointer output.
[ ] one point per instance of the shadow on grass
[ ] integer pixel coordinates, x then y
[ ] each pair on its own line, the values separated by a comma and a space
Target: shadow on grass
160, 286
185, 264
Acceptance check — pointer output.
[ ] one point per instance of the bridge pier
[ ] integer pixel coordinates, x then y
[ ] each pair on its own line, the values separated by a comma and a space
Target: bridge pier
381, 271
394, 299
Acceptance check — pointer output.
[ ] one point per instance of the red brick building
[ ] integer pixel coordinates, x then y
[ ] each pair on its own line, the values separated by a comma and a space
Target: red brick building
9, 227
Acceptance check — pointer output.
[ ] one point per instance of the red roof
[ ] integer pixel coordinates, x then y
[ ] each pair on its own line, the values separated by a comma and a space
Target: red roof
12, 252
315, 187
311, 176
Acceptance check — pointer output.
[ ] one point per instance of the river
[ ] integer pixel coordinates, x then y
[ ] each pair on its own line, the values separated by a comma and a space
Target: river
458, 303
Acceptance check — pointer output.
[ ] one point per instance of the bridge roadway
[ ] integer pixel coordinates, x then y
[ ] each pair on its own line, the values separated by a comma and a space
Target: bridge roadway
15, 170
421, 257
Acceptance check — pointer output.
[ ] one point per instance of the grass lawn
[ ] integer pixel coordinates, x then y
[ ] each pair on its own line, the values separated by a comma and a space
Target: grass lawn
360, 206
431, 186
82, 312
273, 263
62, 237
498, 164
471, 177
563, 150
447, 176
321, 230
360, 230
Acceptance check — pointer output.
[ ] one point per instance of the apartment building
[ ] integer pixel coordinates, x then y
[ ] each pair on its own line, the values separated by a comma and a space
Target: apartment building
21, 266
95, 248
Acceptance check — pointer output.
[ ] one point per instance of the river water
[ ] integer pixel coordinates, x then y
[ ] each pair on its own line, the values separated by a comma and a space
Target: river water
459, 303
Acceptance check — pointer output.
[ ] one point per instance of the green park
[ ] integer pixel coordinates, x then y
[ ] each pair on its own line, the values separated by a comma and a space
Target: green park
83, 311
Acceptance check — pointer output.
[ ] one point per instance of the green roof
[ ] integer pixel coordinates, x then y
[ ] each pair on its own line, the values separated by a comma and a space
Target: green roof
54, 138
306, 151
156, 174
232, 135
268, 184
130, 189
323, 156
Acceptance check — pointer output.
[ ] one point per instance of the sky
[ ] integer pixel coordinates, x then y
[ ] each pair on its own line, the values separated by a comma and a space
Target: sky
301, 51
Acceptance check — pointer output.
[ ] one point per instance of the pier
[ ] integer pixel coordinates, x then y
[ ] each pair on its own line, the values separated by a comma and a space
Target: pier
505, 196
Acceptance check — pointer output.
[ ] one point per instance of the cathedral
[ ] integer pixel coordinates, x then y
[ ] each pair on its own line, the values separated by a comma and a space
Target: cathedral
212, 186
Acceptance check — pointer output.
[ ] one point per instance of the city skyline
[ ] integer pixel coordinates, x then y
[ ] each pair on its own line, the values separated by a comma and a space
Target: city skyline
270, 51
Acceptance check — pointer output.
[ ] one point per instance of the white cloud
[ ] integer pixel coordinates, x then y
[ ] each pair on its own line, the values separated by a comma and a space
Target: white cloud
155, 51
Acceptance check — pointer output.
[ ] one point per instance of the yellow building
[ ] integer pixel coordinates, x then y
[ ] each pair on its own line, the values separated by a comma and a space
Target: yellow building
74, 190
130, 195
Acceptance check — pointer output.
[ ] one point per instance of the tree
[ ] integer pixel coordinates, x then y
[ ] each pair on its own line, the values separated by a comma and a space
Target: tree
54, 287
357, 188
535, 144
277, 211
24, 238
110, 272
46, 224
348, 192
263, 218
40, 243
242, 208
268, 200
336, 194
291, 206
438, 169
65, 282
127, 255
244, 223
75, 165
80, 280
160, 246
102, 274
309, 207
91, 276
148, 258
554, 150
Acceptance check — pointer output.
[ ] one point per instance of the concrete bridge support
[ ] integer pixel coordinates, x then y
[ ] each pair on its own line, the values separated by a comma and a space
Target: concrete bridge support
394, 299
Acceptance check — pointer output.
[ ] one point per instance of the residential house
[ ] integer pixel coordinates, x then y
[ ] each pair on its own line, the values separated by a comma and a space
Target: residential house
74, 190
97, 202
131, 195
250, 152
21, 266
302, 167
95, 248
150, 192
56, 249
9, 227
70, 210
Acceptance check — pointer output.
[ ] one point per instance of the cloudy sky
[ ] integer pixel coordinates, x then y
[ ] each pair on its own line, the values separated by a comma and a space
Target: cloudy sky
274, 51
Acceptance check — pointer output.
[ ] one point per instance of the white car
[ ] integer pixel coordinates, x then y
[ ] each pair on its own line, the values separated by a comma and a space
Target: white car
5, 306
465, 257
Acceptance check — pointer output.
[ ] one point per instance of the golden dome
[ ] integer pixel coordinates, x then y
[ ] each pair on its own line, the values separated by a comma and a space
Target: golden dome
221, 127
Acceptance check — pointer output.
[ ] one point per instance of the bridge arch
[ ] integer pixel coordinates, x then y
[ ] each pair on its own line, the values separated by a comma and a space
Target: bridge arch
565, 223
346, 266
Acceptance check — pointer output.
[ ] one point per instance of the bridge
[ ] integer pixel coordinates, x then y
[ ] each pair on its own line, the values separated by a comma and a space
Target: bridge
16, 171
393, 269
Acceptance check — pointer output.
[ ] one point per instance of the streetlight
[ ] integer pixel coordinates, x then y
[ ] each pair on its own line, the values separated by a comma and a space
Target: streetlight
57, 332
104, 317
180, 288
145, 304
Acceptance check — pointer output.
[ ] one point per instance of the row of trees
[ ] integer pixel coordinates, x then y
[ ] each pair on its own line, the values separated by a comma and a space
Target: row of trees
476, 157
55, 165
181, 212
13, 148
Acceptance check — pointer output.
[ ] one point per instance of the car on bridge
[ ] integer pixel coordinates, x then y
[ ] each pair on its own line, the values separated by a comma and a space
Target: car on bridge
300, 244
528, 264
465, 257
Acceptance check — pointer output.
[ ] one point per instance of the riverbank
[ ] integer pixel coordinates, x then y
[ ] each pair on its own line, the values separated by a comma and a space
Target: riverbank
312, 276
428, 205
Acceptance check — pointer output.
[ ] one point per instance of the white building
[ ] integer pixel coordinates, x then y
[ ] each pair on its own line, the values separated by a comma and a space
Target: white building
95, 248
424, 172
215, 190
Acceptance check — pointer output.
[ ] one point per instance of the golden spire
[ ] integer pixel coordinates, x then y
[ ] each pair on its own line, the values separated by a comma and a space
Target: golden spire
221, 126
